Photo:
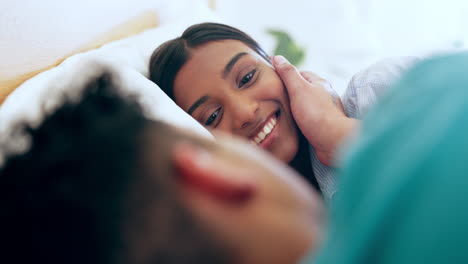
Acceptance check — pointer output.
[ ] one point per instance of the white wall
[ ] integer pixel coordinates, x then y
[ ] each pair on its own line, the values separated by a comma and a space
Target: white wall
37, 33
343, 36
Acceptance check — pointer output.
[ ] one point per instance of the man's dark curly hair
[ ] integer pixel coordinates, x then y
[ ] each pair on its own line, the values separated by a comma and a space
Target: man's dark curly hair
78, 194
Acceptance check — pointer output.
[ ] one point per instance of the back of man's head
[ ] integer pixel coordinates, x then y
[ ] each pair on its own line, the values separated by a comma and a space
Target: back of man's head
79, 193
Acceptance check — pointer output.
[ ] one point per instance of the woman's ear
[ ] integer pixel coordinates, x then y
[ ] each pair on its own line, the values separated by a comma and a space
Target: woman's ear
211, 175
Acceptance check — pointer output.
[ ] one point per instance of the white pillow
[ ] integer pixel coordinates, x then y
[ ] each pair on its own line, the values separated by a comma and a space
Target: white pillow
136, 51
128, 57
44, 93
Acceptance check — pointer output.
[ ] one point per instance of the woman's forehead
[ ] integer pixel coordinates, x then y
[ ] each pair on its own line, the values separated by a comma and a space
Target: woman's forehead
214, 55
220, 49
205, 68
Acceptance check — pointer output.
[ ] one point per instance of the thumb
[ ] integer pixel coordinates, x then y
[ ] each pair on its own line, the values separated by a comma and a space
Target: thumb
290, 76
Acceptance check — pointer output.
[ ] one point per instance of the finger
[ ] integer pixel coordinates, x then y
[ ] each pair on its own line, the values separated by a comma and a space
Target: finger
314, 78
311, 77
290, 76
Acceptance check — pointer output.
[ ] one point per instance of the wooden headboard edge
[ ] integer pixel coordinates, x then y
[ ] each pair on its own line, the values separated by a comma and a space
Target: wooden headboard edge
133, 26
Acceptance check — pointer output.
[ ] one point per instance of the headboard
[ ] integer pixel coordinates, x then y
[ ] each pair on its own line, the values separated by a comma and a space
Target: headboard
39, 35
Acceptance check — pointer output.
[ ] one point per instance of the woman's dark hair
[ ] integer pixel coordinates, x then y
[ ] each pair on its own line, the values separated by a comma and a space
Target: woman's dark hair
168, 59
82, 194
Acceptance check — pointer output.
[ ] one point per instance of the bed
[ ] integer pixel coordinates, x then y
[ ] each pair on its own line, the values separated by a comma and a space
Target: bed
124, 44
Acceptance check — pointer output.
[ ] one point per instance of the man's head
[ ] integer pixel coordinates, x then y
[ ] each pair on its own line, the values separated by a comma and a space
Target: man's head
100, 183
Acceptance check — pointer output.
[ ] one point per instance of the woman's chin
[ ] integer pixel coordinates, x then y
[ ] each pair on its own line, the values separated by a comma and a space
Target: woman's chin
285, 155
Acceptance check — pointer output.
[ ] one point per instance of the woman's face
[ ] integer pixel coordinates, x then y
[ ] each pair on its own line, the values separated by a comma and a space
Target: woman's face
227, 86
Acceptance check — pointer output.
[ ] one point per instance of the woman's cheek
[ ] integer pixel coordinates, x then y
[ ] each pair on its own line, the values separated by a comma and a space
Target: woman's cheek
276, 90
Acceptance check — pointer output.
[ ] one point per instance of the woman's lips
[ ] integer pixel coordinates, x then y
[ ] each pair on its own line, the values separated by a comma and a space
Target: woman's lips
268, 134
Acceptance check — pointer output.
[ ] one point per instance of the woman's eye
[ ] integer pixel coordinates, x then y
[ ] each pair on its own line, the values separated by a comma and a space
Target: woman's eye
212, 117
247, 78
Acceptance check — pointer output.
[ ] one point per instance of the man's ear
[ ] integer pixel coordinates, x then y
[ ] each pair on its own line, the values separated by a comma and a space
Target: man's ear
200, 170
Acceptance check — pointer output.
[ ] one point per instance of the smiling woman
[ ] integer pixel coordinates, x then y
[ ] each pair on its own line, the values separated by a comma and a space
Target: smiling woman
226, 81
240, 94
237, 92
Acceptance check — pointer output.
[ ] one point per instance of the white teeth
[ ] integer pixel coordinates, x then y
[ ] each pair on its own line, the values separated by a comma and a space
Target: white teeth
261, 135
265, 131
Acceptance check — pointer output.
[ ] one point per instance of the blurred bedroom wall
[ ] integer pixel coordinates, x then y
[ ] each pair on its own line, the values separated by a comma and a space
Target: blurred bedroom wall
340, 36
344, 36
35, 34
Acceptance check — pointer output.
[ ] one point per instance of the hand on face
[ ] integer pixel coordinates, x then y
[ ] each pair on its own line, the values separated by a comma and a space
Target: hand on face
316, 108
323, 86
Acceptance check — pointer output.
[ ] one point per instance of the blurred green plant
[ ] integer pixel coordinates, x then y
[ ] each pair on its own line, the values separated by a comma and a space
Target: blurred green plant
286, 46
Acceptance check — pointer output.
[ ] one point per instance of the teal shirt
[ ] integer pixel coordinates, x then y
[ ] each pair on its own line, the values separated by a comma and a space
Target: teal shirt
404, 185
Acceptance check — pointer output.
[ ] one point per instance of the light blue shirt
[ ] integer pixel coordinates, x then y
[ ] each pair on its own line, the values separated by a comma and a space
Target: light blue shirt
364, 90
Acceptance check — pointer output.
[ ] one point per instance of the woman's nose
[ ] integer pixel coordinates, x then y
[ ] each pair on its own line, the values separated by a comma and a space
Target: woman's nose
244, 111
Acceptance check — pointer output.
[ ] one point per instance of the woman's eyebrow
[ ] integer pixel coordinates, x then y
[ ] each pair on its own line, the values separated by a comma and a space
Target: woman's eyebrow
195, 105
231, 63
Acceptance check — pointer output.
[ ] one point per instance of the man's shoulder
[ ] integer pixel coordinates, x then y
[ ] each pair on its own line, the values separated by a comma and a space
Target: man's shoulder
368, 85
383, 72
